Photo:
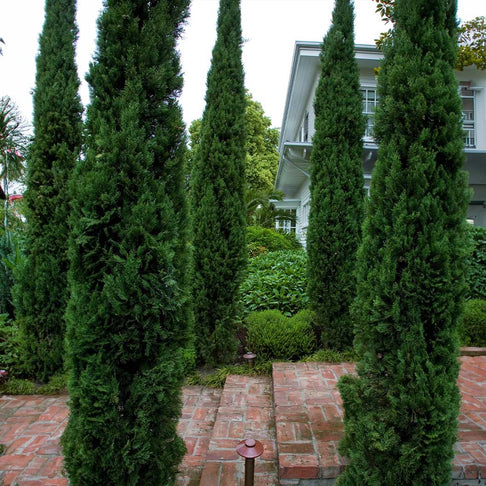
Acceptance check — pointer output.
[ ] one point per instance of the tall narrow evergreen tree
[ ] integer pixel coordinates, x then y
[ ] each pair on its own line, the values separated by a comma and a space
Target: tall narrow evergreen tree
218, 207
128, 316
41, 293
401, 411
337, 192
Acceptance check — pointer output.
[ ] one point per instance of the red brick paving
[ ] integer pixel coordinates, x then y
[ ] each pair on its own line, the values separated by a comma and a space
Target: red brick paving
195, 426
308, 413
245, 412
30, 428
308, 418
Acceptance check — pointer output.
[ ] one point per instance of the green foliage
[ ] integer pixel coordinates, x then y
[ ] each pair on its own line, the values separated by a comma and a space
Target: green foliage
218, 205
262, 156
217, 378
128, 317
473, 329
261, 210
276, 280
11, 257
337, 192
331, 356
13, 142
401, 411
472, 44
472, 37
41, 293
270, 240
9, 345
261, 148
476, 276
273, 336
16, 386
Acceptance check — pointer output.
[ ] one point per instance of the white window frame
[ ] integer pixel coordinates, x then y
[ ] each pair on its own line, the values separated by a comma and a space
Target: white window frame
466, 92
369, 105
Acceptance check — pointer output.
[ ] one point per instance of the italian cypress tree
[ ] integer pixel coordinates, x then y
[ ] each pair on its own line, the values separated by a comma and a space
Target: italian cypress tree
41, 293
128, 316
218, 207
401, 411
337, 192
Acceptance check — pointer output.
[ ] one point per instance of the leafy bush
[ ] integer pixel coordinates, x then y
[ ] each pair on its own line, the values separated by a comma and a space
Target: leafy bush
9, 344
271, 335
10, 257
474, 323
261, 240
276, 280
476, 277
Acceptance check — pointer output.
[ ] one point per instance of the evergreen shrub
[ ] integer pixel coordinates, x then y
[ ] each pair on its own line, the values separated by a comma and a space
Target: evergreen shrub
276, 280
476, 276
474, 323
336, 183
271, 335
9, 344
217, 195
270, 240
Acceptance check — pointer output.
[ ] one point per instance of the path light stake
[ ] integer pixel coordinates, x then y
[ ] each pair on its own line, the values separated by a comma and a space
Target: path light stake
250, 359
250, 449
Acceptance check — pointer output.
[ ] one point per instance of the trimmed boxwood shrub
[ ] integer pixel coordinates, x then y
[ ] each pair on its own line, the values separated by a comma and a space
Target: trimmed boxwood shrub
261, 240
476, 277
276, 280
271, 335
474, 323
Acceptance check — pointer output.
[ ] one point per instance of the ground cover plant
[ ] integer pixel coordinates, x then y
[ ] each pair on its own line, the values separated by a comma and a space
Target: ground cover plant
276, 280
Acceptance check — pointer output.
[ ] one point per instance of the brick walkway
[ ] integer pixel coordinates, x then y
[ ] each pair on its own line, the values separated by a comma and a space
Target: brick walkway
196, 424
307, 424
246, 411
30, 426
308, 414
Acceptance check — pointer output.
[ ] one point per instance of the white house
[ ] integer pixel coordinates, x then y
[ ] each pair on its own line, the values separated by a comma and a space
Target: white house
293, 176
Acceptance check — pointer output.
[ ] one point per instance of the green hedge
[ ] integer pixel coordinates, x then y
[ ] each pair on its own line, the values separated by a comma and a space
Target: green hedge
473, 332
261, 240
276, 280
271, 335
476, 277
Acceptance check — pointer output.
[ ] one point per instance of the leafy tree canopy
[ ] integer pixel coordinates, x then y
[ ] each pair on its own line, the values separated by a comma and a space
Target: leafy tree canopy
262, 157
472, 37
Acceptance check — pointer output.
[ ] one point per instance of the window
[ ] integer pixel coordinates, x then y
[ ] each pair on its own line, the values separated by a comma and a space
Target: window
286, 225
468, 113
370, 101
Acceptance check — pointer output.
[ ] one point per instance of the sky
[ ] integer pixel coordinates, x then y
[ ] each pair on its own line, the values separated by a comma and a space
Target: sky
270, 30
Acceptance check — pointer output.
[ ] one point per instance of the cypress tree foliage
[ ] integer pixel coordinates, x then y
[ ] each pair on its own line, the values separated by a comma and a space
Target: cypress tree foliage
41, 294
337, 192
218, 207
401, 411
128, 316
